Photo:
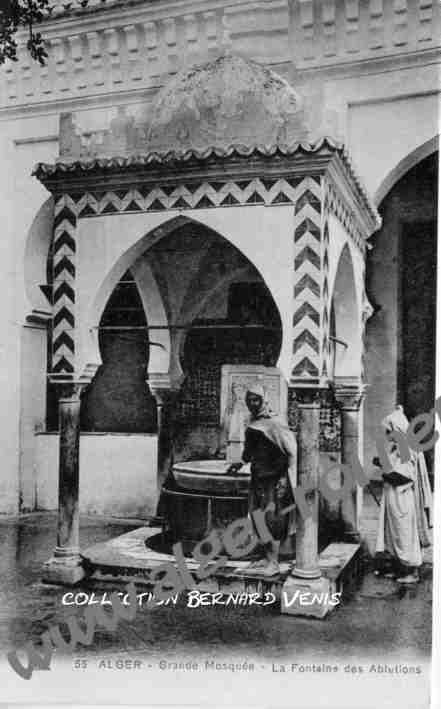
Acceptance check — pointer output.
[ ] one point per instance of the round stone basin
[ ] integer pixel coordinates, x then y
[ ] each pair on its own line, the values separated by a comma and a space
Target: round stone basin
209, 477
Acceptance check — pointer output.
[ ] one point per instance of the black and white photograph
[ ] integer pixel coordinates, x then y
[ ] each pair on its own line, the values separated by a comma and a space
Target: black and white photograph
220, 401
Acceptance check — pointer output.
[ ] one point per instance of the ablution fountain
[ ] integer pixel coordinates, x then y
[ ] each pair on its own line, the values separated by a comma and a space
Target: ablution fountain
200, 495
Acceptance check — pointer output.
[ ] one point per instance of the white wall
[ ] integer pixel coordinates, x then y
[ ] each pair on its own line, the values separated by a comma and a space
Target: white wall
32, 406
22, 143
384, 132
117, 473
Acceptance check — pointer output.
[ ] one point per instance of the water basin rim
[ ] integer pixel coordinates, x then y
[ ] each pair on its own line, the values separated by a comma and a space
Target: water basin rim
204, 495
208, 467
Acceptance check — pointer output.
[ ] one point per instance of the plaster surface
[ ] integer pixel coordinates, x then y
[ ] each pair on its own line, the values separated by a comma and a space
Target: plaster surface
107, 462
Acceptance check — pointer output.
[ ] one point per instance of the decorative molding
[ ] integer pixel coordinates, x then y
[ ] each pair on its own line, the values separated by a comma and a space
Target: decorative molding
205, 195
383, 28
307, 306
163, 387
306, 17
70, 391
65, 8
136, 45
59, 52
132, 45
400, 23
77, 54
352, 26
336, 204
376, 24
349, 396
329, 27
329, 416
134, 192
112, 39
295, 161
306, 397
425, 16
330, 422
64, 255
327, 347
96, 58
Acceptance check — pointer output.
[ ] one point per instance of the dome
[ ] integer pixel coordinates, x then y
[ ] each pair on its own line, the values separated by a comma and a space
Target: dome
224, 102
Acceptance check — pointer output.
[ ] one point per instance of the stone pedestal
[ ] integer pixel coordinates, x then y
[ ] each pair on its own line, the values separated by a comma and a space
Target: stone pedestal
350, 398
306, 566
307, 597
66, 564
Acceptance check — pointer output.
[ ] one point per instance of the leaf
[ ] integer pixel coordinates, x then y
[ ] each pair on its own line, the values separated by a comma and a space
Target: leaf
18, 14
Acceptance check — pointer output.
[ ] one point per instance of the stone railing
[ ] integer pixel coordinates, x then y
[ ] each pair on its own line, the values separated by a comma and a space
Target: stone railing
115, 47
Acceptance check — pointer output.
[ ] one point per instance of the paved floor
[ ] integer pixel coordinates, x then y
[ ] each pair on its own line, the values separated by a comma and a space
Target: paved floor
380, 620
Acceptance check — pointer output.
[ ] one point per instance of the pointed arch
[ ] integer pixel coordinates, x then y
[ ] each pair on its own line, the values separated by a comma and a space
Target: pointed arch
130, 258
36, 259
412, 159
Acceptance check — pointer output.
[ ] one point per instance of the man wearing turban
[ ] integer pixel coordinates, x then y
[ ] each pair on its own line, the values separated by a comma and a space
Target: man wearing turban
271, 449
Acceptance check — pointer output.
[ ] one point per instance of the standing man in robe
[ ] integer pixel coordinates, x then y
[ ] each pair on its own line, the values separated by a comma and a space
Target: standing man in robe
405, 511
271, 449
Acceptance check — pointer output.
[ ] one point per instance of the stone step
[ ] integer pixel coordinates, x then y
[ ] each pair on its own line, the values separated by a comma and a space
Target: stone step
126, 558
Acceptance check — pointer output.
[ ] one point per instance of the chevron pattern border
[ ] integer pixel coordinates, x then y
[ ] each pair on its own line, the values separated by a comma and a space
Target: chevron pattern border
335, 204
204, 195
63, 324
326, 305
306, 334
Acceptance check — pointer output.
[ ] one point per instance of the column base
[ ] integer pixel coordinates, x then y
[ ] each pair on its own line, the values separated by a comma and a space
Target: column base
64, 570
308, 574
307, 597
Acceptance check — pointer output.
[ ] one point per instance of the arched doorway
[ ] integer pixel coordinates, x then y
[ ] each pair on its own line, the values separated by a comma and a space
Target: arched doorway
401, 285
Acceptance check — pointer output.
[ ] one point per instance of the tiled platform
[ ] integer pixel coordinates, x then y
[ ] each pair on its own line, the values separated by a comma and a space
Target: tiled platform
126, 558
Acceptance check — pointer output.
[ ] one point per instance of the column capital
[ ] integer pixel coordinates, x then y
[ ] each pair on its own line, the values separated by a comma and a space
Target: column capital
76, 379
162, 385
349, 396
158, 381
307, 397
70, 391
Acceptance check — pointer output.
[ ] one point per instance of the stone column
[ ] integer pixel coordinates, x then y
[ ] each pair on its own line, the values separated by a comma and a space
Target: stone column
306, 565
350, 398
306, 576
65, 566
160, 387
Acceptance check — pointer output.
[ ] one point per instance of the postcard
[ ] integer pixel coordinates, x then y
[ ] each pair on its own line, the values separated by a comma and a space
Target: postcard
220, 392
